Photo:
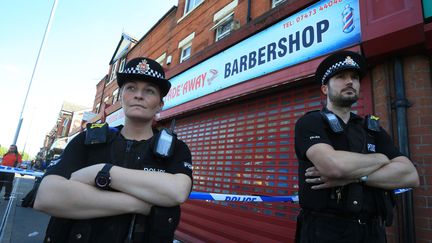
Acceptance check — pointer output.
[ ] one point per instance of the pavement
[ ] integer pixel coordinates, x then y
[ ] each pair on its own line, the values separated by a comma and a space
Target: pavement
19, 224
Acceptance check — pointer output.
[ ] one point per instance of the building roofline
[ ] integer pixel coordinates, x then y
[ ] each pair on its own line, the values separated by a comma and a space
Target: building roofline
123, 36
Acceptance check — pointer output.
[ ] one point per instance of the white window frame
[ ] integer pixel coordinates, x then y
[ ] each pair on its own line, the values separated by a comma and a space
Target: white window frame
276, 3
97, 108
115, 95
185, 45
190, 5
185, 54
106, 99
161, 59
65, 122
225, 27
113, 72
122, 65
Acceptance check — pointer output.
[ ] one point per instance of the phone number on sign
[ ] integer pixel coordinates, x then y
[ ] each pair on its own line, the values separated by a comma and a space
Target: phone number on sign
312, 12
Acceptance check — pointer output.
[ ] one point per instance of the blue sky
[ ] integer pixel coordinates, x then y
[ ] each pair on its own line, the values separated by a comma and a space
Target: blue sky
81, 41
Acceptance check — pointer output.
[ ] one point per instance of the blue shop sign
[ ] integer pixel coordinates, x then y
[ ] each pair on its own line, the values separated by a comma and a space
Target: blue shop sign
317, 30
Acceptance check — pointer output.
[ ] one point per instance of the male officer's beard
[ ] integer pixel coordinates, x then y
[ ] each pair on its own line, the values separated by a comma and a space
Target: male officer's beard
342, 101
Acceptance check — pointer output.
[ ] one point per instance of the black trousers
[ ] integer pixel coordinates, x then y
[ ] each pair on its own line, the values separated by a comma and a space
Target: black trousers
324, 228
6, 180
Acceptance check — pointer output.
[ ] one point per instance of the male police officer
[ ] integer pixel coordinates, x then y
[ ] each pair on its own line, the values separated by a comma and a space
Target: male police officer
347, 165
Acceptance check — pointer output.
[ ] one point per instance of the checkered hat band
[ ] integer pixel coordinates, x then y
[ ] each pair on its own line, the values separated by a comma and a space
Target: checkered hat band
337, 66
148, 72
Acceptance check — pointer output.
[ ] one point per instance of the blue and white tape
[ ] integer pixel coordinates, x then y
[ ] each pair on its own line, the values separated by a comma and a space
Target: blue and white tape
240, 198
20, 171
249, 198
201, 195
402, 190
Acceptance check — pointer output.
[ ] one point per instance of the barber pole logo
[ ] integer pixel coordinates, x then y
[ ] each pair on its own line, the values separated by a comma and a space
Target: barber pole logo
214, 74
348, 19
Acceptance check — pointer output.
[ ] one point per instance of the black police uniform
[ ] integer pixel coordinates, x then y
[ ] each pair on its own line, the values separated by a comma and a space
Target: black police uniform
120, 152
354, 212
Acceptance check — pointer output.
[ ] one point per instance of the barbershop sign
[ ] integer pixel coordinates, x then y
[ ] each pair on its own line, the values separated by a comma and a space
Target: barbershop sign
317, 30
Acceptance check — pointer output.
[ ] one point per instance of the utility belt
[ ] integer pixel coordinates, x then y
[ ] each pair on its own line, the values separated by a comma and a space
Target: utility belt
158, 227
354, 198
360, 219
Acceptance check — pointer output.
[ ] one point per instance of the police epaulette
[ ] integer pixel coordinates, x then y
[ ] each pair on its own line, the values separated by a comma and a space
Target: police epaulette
97, 133
311, 111
372, 123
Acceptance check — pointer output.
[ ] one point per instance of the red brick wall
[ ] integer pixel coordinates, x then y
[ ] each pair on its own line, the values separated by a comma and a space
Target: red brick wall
418, 88
167, 34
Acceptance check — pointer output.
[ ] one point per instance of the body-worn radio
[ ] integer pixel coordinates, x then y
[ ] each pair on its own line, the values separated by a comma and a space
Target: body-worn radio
165, 142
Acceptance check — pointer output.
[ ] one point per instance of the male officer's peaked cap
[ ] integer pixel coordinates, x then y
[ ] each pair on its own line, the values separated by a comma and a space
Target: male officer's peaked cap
339, 61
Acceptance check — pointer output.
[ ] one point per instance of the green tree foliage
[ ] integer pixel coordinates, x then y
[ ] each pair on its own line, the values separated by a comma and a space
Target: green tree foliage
26, 156
3, 150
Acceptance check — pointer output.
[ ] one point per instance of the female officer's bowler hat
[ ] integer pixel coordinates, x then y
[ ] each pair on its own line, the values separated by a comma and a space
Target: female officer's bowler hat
339, 61
144, 69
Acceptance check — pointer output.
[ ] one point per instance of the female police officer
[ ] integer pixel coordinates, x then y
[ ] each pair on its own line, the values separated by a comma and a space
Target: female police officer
108, 179
347, 164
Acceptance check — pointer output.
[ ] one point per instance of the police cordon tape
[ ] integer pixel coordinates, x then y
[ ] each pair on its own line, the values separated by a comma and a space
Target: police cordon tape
200, 195
240, 198
20, 171
249, 198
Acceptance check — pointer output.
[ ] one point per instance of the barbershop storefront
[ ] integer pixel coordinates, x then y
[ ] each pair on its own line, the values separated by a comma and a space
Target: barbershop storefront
243, 136
237, 110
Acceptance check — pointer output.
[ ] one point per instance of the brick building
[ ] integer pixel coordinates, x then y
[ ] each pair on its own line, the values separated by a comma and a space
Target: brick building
242, 73
56, 139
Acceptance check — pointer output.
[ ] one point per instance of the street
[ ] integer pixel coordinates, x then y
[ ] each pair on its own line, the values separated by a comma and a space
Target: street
18, 224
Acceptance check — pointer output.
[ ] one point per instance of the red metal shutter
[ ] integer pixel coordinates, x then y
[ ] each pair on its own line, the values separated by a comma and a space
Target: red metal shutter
246, 148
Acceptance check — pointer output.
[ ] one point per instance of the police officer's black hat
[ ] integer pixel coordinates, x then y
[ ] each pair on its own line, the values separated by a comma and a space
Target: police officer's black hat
339, 61
144, 69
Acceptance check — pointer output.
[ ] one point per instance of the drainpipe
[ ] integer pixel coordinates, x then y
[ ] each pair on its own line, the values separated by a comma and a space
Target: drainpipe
401, 105
248, 17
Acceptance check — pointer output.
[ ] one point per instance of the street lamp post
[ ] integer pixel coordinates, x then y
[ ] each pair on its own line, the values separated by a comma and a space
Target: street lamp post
34, 70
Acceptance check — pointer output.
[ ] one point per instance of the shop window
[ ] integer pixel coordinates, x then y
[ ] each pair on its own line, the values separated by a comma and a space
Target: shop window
191, 5
427, 10
276, 3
